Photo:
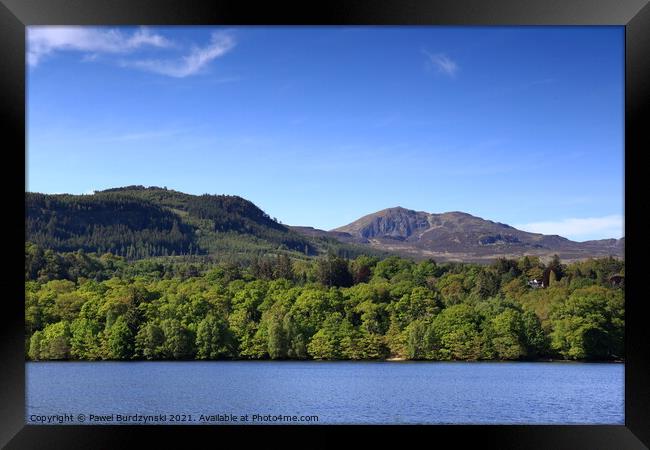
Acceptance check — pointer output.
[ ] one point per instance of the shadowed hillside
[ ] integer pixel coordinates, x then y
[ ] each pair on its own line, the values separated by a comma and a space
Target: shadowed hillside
137, 222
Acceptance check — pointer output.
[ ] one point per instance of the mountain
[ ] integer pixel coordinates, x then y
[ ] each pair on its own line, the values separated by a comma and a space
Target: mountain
458, 236
140, 222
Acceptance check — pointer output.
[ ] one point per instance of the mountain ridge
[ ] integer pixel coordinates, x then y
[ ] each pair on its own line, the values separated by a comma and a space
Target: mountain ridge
457, 235
139, 222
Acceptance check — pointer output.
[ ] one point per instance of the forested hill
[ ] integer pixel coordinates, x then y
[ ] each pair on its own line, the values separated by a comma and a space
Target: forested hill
137, 222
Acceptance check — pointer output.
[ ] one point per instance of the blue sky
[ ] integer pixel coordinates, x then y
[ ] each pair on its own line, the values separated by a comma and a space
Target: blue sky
321, 125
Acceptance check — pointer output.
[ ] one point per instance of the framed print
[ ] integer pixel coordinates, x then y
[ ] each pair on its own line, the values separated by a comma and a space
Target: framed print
380, 217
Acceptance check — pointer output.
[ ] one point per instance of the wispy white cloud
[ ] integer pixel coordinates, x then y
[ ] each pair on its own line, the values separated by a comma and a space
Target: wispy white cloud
220, 44
44, 40
442, 63
92, 42
611, 226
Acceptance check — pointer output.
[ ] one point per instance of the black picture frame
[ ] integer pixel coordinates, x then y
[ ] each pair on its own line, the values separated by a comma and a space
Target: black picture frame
634, 15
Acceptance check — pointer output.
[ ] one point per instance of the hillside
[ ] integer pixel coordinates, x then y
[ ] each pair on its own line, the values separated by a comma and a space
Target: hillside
458, 236
138, 222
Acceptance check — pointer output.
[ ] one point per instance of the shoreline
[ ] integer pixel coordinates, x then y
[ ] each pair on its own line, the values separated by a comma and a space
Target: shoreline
390, 360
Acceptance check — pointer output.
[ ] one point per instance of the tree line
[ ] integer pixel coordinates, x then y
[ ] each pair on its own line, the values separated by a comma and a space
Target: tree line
107, 308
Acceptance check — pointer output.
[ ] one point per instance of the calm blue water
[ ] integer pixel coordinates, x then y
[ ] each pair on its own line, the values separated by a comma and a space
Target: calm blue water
336, 392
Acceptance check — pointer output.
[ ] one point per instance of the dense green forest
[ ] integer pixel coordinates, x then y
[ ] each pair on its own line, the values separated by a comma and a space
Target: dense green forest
91, 306
135, 222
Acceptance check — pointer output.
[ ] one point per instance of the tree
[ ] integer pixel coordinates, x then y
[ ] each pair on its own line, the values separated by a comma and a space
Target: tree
374, 317
283, 268
415, 345
277, 340
67, 306
503, 266
85, 340
361, 268
309, 311
373, 345
535, 340
118, 340
35, 344
589, 324
396, 341
150, 340
391, 266
557, 268
296, 339
505, 335
486, 284
325, 344
451, 289
179, 342
262, 268
420, 303
245, 317
52, 343
457, 329
515, 288
334, 271
213, 340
